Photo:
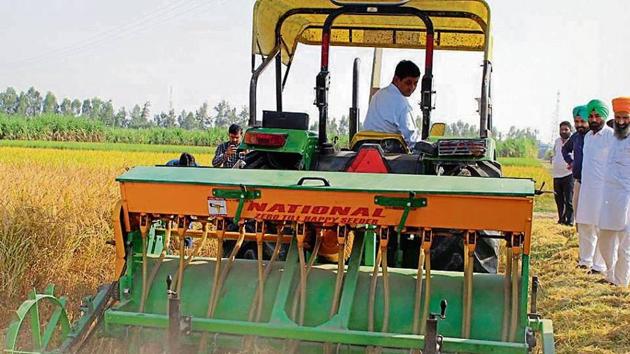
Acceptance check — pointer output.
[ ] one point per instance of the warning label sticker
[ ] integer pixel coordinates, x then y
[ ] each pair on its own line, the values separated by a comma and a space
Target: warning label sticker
217, 207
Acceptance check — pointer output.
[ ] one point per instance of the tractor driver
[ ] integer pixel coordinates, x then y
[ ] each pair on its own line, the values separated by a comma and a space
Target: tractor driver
390, 111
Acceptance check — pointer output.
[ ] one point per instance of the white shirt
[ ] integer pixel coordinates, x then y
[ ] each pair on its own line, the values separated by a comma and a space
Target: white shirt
390, 112
558, 165
615, 210
594, 163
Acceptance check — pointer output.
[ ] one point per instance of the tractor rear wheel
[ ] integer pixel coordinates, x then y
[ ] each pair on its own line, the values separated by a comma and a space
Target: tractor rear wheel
447, 253
485, 169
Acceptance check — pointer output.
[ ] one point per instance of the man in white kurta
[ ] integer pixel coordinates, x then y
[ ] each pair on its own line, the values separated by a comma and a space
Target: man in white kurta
389, 110
614, 220
597, 144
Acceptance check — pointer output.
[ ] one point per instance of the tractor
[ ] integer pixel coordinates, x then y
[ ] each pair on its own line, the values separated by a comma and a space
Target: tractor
364, 241
282, 140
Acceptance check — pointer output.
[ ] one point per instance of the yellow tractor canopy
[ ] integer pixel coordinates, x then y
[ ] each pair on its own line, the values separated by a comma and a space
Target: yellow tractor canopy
459, 25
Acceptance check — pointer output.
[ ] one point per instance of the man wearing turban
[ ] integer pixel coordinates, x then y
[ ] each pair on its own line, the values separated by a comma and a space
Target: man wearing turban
597, 144
572, 150
614, 220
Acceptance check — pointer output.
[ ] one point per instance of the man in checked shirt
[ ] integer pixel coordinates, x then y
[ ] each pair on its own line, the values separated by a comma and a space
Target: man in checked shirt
227, 154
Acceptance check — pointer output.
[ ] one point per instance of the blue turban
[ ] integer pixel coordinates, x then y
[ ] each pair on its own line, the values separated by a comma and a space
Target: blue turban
580, 111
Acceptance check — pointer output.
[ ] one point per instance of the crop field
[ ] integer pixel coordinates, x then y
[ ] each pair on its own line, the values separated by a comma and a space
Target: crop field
55, 211
73, 145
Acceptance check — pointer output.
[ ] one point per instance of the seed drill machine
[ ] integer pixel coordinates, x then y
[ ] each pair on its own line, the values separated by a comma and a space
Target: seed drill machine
372, 248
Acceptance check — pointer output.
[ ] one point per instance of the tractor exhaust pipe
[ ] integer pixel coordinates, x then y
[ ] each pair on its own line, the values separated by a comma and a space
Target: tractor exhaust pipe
353, 116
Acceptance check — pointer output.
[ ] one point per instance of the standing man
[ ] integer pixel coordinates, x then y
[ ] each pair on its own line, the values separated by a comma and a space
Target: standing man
389, 110
614, 220
596, 148
572, 150
562, 178
226, 154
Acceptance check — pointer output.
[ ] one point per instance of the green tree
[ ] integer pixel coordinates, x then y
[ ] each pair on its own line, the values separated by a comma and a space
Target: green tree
97, 105
202, 117
167, 120
344, 125
86, 108
137, 120
22, 104
50, 103
65, 107
528, 133
106, 113
187, 120
33, 100
190, 117
461, 129
171, 119
120, 119
76, 107
225, 114
159, 119
9, 101
146, 112
243, 117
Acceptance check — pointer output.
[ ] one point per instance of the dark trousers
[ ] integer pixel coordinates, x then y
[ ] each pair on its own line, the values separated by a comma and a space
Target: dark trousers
563, 192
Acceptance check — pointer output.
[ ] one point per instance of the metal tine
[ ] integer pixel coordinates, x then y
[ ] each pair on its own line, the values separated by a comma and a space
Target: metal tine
182, 225
253, 307
470, 242
341, 244
260, 230
274, 256
195, 252
382, 260
342, 235
516, 254
372, 294
145, 224
219, 225
228, 266
300, 233
418, 297
426, 247
311, 262
385, 286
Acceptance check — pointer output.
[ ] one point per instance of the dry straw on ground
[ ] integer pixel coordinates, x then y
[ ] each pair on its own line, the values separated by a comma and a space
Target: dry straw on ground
588, 317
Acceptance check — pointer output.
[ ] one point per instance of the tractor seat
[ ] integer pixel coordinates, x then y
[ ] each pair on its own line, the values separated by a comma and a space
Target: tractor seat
391, 143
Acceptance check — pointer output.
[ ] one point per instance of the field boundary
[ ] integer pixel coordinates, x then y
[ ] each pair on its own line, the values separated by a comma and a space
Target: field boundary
94, 146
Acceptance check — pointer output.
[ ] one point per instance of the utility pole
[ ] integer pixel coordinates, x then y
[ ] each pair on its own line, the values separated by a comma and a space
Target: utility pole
170, 98
556, 118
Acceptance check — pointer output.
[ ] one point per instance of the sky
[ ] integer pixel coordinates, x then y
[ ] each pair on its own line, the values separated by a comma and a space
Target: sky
187, 52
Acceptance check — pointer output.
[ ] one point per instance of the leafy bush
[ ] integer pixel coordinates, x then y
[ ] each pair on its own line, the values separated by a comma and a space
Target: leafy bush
517, 147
